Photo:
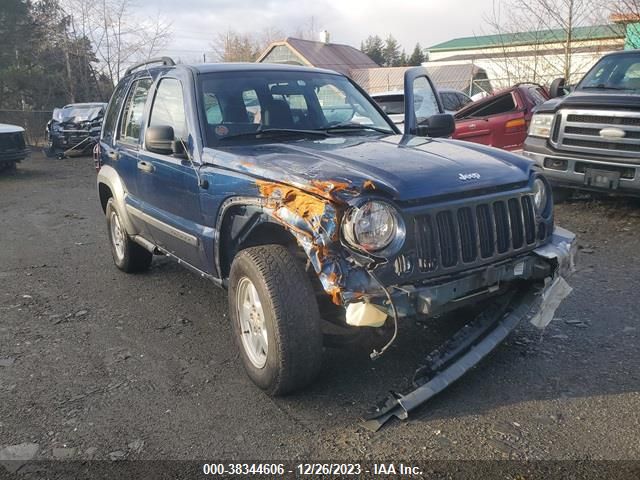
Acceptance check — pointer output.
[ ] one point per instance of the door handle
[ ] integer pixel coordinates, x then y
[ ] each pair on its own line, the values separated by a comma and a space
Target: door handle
145, 166
113, 155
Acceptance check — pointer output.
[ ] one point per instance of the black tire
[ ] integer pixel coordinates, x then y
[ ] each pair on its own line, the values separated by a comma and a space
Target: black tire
131, 257
561, 195
291, 318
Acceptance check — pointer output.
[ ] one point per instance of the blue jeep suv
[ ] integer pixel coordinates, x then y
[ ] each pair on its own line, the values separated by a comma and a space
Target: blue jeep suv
289, 187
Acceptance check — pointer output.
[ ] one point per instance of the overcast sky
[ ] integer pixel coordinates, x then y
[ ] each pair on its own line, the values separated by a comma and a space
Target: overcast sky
196, 22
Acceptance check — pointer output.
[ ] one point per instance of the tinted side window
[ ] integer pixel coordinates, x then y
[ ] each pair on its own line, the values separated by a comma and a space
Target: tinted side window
449, 101
168, 108
463, 100
111, 118
134, 108
500, 105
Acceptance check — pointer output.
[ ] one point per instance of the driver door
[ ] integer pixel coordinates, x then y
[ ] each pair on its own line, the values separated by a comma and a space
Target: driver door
420, 99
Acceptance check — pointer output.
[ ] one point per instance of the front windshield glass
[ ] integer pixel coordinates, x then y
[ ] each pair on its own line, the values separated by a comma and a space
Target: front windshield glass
617, 72
241, 104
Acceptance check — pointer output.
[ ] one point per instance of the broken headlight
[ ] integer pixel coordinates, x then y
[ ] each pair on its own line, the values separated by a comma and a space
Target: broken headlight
375, 226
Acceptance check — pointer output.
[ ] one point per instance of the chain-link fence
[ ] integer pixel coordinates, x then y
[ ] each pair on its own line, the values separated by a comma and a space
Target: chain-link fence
33, 122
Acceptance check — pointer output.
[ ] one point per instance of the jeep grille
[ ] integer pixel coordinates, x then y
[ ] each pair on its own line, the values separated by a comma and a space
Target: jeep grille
476, 234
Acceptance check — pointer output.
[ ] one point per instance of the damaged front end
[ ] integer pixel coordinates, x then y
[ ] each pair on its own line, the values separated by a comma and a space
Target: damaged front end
533, 296
494, 250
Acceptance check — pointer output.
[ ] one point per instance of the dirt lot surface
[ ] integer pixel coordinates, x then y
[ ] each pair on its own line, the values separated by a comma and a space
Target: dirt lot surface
98, 364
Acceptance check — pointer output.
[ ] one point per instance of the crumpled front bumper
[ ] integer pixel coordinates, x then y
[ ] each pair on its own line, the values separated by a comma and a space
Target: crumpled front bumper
538, 299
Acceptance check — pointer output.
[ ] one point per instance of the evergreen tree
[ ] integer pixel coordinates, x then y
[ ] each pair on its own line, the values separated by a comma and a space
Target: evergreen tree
391, 52
373, 46
417, 57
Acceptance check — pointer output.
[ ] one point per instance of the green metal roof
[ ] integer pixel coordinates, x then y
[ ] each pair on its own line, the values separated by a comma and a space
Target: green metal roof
596, 32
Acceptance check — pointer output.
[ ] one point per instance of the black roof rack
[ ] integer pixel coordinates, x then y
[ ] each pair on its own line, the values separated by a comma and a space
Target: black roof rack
166, 61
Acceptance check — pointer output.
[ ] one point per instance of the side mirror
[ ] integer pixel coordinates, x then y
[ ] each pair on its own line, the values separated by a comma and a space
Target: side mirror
441, 125
421, 102
159, 139
557, 88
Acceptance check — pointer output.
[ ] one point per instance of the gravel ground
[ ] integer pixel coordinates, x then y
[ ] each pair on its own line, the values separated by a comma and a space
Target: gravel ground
98, 364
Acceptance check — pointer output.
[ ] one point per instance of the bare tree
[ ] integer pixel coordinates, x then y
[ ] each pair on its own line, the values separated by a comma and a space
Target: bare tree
627, 13
233, 46
539, 24
120, 35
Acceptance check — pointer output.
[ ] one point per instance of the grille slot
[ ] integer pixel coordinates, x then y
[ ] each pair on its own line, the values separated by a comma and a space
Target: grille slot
485, 229
426, 244
472, 234
502, 226
529, 219
467, 228
448, 239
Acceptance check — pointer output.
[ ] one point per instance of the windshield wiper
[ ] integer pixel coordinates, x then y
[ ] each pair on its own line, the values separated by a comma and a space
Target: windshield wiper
602, 86
276, 131
356, 126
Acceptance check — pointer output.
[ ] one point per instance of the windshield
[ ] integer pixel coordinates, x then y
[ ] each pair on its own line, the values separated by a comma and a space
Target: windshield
238, 104
77, 113
617, 72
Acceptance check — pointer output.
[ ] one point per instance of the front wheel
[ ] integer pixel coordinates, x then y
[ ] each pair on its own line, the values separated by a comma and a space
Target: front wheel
127, 254
276, 322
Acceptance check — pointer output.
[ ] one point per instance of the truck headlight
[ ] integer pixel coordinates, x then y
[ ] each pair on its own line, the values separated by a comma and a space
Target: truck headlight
541, 125
375, 227
540, 195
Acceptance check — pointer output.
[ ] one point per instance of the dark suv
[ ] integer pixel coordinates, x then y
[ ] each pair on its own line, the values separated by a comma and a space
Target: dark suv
291, 188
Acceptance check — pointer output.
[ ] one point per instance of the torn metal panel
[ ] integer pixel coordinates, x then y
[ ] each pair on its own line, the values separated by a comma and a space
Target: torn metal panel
314, 220
552, 297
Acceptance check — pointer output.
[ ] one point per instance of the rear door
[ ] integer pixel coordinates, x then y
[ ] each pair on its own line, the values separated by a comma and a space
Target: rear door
169, 188
122, 146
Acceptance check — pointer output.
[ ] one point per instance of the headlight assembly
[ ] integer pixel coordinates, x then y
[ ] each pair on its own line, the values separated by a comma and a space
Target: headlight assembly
541, 125
541, 195
375, 227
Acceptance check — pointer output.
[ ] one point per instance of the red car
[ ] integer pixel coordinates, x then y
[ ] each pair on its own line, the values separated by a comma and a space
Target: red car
502, 119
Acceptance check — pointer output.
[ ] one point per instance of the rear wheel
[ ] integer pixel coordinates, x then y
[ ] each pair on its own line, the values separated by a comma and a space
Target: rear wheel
276, 322
127, 254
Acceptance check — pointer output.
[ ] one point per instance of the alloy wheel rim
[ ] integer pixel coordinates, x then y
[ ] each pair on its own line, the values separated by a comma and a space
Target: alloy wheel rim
117, 236
253, 328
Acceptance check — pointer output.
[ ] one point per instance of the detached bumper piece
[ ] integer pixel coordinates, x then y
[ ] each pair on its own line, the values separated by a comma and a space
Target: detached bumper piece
455, 357
485, 332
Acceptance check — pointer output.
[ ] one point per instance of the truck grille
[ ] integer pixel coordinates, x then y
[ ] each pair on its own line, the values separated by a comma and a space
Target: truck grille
580, 131
470, 235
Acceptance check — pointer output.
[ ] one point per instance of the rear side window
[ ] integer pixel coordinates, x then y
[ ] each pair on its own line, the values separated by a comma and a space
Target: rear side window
449, 101
168, 108
498, 106
463, 100
111, 118
131, 121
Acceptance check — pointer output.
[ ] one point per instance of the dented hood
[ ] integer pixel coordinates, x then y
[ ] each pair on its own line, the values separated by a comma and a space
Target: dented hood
403, 168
